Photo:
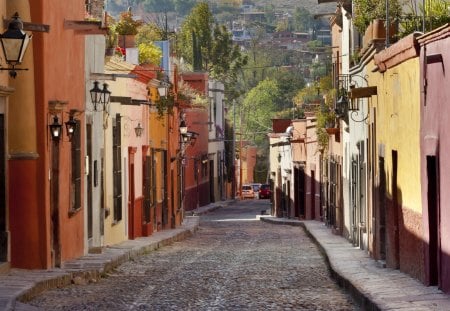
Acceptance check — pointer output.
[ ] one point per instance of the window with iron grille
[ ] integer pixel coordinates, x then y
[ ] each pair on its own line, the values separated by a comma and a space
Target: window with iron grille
75, 187
117, 169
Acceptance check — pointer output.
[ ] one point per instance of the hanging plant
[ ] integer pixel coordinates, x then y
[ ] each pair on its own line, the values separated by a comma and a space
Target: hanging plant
164, 104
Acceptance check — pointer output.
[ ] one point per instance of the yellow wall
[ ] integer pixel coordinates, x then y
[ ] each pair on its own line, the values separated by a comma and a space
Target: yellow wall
158, 139
398, 125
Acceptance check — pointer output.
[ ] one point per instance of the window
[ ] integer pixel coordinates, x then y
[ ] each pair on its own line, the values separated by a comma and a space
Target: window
117, 170
75, 186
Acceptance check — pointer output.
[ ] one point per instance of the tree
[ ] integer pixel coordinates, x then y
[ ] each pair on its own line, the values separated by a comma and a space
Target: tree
302, 20
149, 33
289, 82
226, 57
209, 47
258, 109
199, 22
149, 53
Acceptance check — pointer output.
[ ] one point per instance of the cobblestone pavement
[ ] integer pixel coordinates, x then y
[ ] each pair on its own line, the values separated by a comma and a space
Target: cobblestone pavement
233, 262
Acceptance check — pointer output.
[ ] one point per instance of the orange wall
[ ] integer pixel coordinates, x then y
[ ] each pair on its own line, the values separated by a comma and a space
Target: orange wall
58, 75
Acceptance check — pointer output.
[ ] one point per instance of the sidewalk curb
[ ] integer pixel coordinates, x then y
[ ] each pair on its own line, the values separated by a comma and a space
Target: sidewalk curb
22, 285
361, 299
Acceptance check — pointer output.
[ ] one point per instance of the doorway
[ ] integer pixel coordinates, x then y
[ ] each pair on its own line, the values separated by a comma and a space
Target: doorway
3, 229
395, 212
434, 250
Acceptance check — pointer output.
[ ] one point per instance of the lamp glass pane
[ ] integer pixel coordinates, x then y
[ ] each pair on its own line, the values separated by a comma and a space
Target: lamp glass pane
12, 49
26, 42
162, 91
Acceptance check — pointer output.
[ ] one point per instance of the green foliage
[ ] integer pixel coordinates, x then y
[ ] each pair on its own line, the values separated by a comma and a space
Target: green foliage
326, 118
436, 15
165, 104
226, 57
366, 11
149, 33
302, 20
199, 22
258, 109
289, 82
111, 36
127, 25
209, 47
149, 53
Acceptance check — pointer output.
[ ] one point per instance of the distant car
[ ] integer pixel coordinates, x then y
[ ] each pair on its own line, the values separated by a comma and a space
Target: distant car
265, 192
256, 187
247, 192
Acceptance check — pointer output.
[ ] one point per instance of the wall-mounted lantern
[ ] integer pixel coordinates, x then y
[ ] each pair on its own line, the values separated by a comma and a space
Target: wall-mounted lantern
14, 43
55, 129
71, 127
183, 127
100, 97
138, 130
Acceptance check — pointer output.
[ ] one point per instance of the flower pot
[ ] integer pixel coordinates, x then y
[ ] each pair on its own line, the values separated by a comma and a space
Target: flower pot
332, 130
109, 51
127, 41
377, 31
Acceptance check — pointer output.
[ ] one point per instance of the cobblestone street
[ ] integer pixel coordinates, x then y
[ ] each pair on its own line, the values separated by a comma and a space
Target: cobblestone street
233, 262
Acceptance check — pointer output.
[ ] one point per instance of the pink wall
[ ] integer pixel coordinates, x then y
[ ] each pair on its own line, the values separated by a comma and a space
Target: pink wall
435, 146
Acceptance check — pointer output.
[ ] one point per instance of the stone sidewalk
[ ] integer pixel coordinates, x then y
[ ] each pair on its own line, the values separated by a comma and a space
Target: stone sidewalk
372, 286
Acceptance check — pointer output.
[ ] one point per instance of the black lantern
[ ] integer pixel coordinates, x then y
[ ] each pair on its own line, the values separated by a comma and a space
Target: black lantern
183, 127
105, 96
55, 129
138, 130
71, 127
100, 96
96, 95
341, 105
14, 43
193, 137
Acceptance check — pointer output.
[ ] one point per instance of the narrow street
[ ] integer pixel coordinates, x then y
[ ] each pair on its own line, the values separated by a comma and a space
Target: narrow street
233, 262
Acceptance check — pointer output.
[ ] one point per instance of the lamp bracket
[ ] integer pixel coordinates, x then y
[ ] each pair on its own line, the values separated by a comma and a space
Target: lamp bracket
29, 26
110, 76
356, 120
56, 105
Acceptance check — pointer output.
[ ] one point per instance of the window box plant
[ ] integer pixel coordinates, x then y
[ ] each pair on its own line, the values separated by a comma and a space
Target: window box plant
127, 28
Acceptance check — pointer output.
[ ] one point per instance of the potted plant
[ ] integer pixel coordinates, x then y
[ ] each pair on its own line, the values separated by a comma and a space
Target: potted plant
365, 11
111, 40
127, 28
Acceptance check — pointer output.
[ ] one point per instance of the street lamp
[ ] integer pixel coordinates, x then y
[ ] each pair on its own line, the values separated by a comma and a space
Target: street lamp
55, 129
100, 96
183, 127
14, 43
138, 130
71, 127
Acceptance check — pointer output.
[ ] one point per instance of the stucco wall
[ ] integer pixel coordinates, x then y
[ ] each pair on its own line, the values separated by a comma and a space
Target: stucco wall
398, 126
436, 145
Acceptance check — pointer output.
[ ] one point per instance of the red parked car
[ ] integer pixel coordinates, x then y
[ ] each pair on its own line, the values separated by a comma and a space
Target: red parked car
264, 191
